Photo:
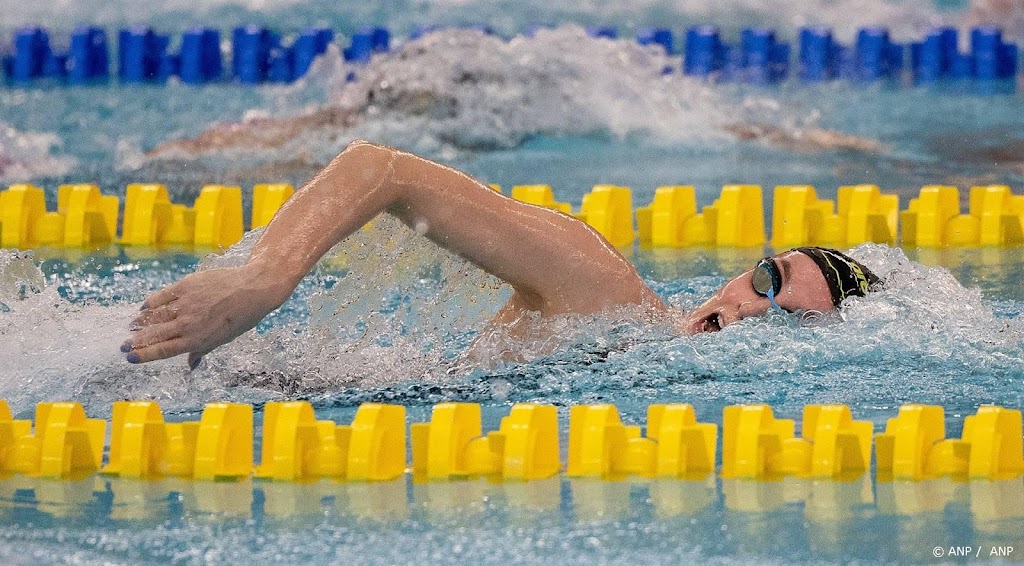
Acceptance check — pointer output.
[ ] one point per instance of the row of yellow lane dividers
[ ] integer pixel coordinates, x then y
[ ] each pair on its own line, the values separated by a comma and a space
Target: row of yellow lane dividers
863, 213
995, 216
86, 218
296, 446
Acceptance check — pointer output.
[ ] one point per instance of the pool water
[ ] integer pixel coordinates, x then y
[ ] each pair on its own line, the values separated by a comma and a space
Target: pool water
375, 321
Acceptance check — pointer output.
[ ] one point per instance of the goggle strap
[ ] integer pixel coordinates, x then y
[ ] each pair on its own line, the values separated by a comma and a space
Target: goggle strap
771, 298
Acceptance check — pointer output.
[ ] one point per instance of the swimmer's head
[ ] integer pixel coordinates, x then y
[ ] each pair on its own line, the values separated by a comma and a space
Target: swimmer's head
809, 279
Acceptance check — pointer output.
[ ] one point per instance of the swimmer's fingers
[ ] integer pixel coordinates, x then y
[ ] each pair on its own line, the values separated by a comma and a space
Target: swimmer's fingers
158, 351
162, 297
201, 312
153, 316
148, 343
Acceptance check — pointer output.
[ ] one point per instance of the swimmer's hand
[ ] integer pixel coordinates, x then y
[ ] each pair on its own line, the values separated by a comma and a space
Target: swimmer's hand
202, 311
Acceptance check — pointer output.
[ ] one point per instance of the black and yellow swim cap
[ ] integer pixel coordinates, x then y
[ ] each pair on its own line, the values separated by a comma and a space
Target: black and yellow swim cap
845, 276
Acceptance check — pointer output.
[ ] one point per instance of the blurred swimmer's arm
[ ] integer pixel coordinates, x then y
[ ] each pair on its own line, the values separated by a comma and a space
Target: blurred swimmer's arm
555, 263
806, 139
265, 132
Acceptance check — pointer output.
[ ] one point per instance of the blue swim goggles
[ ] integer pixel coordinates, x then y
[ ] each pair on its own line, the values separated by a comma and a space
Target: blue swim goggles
767, 281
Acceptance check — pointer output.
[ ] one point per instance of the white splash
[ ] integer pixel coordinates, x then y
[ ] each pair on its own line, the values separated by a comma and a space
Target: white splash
27, 155
461, 89
389, 320
475, 90
920, 337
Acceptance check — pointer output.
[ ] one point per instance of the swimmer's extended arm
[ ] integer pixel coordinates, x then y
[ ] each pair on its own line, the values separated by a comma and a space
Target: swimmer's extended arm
555, 263
257, 133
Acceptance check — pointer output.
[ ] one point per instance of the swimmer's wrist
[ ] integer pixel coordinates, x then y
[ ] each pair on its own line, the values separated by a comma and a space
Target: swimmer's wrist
275, 281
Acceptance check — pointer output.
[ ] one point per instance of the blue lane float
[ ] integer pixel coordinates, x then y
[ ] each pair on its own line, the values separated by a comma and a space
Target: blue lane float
55, 66
877, 56
366, 42
820, 55
310, 44
140, 54
607, 32
360, 48
88, 56
200, 59
251, 49
657, 36
421, 30
934, 57
704, 53
382, 38
993, 58
764, 60
759, 58
281, 68
31, 49
937, 56
85, 61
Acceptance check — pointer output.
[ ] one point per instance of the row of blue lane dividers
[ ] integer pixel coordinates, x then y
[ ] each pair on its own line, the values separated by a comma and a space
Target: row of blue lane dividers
257, 55
260, 55
86, 60
938, 56
759, 58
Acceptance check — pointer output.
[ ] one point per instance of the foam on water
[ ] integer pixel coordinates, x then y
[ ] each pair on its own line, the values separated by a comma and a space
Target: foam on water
455, 92
26, 155
462, 89
474, 90
922, 337
390, 317
386, 322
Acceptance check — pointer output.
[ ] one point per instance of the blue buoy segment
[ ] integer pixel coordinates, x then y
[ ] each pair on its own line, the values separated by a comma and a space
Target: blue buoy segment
200, 59
88, 56
656, 36
140, 55
251, 53
704, 52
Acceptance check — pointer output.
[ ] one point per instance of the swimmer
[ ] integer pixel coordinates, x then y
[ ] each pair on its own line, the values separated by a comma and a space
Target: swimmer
265, 132
554, 263
442, 91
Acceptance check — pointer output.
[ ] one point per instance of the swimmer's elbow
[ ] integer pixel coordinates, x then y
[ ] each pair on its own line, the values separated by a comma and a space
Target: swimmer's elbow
368, 149
367, 157
359, 143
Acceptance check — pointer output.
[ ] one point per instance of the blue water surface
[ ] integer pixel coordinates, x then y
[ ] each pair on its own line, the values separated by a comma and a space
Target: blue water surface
388, 317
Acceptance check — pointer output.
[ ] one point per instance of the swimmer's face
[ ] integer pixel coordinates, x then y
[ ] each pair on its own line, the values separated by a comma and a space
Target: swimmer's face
803, 288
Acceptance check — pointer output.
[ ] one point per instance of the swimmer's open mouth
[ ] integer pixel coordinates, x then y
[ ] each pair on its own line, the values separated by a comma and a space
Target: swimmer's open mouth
712, 323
